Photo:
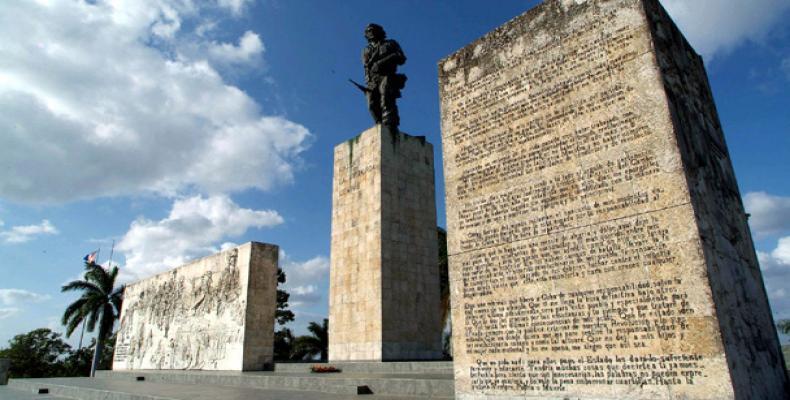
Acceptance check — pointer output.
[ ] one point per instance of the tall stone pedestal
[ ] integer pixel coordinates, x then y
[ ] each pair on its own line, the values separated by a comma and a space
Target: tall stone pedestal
598, 244
215, 313
384, 277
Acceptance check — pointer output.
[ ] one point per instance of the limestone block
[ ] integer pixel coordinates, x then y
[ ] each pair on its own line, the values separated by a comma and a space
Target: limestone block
597, 243
215, 313
384, 288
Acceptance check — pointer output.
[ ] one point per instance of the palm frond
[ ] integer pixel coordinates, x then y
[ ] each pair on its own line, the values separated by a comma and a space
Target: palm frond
93, 316
305, 347
74, 310
317, 330
99, 276
116, 298
114, 274
73, 324
107, 321
81, 285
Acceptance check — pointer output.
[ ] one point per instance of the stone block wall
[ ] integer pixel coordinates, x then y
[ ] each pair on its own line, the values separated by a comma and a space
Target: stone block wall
598, 247
384, 284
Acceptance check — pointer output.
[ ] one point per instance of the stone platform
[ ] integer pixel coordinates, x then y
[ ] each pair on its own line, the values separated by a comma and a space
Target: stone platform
404, 380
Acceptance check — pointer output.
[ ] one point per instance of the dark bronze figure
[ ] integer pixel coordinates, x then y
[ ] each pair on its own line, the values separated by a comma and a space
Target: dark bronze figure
381, 58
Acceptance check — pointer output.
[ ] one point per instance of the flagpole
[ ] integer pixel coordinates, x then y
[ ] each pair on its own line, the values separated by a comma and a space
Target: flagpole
109, 265
82, 334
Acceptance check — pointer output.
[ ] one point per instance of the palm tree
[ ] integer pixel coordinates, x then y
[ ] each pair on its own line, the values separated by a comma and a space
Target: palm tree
306, 347
100, 302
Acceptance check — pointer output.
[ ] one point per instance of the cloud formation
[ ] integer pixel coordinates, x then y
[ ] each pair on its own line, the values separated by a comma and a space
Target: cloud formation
8, 312
236, 7
26, 233
192, 229
770, 214
110, 98
770, 217
305, 279
10, 297
715, 27
249, 50
780, 256
776, 275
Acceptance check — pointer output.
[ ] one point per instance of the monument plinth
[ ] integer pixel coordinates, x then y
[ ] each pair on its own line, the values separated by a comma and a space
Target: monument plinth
384, 278
215, 313
598, 246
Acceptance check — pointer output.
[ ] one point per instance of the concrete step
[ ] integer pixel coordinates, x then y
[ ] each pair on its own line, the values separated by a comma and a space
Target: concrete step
422, 385
435, 367
128, 389
7, 393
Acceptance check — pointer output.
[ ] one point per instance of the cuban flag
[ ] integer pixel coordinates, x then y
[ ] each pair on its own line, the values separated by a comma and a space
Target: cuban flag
90, 258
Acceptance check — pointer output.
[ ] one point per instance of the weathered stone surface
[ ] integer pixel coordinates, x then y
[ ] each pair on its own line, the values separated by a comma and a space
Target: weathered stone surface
215, 313
5, 365
384, 279
598, 244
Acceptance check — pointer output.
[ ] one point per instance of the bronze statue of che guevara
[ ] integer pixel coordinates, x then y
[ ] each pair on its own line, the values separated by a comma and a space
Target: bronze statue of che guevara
381, 58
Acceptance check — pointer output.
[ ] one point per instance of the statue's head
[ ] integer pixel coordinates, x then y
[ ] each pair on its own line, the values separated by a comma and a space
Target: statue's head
374, 33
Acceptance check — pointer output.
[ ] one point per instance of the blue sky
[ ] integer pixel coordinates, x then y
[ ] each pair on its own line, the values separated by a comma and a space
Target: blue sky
177, 128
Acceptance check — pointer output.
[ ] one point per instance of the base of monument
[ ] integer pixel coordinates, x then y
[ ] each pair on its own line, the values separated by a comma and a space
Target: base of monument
397, 380
383, 352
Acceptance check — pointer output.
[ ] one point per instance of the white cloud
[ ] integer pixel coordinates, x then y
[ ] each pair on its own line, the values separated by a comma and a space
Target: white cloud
776, 275
304, 295
305, 272
25, 233
227, 246
111, 99
786, 67
11, 297
306, 281
191, 230
304, 290
781, 254
769, 214
235, 6
717, 26
249, 50
8, 312
205, 28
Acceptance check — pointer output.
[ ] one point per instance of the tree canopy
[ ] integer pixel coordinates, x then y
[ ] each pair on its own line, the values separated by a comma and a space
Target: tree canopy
36, 354
41, 353
316, 344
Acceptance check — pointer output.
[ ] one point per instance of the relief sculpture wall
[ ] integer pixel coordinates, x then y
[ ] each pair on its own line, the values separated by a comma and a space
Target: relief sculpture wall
215, 313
